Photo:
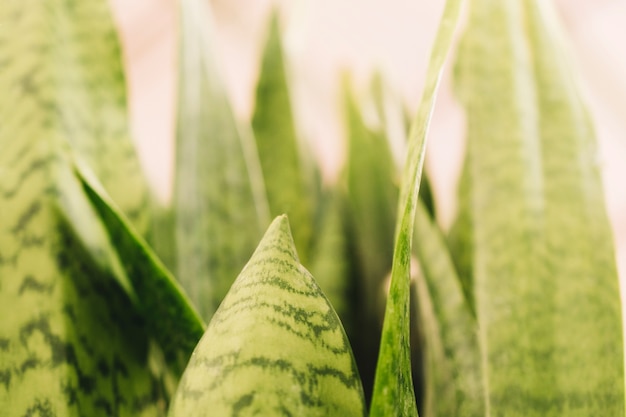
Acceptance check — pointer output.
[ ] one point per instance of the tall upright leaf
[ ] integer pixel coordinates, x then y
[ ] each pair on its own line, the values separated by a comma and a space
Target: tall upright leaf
290, 179
393, 388
330, 257
453, 373
220, 206
459, 239
71, 341
275, 346
544, 270
68, 56
372, 198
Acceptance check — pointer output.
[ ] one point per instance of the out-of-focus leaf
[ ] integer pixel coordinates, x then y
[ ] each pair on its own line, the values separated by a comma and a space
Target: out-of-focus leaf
220, 205
162, 236
394, 126
371, 211
330, 262
459, 239
373, 197
393, 388
453, 372
168, 315
71, 342
274, 347
290, 179
545, 283
67, 57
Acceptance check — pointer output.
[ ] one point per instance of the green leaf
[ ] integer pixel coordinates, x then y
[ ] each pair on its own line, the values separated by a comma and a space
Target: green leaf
68, 55
290, 179
220, 204
330, 257
546, 286
393, 387
71, 342
453, 373
168, 315
372, 198
274, 347
459, 239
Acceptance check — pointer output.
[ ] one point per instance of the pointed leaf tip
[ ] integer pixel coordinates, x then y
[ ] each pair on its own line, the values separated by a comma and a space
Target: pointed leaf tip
274, 347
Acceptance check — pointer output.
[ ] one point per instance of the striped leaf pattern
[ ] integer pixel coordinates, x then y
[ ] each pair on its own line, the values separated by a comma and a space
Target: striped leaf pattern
71, 341
544, 273
274, 347
452, 368
169, 316
64, 56
219, 199
288, 171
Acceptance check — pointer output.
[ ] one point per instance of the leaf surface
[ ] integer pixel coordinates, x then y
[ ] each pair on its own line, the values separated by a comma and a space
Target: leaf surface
546, 287
167, 312
288, 172
220, 204
393, 387
453, 372
275, 346
71, 341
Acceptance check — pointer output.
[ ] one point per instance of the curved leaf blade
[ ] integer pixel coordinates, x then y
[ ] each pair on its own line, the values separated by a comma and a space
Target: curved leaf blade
274, 347
168, 314
393, 387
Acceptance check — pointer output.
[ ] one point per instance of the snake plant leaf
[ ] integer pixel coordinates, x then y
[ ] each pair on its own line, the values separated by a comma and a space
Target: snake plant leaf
393, 388
275, 346
544, 271
330, 262
72, 344
452, 348
167, 313
71, 340
68, 55
290, 178
459, 238
220, 205
372, 198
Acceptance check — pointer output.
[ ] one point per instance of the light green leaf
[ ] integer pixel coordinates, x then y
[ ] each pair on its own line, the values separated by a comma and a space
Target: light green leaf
68, 56
459, 239
393, 388
372, 198
71, 342
168, 315
330, 257
220, 204
453, 373
274, 347
546, 287
289, 176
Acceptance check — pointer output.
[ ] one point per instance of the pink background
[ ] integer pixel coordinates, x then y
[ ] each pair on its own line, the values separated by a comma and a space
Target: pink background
324, 37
